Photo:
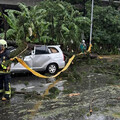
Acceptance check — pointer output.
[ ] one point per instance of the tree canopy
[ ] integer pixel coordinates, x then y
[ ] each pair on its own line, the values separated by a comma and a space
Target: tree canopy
50, 22
59, 22
106, 28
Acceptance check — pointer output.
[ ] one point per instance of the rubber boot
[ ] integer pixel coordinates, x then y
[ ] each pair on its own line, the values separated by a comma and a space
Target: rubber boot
6, 97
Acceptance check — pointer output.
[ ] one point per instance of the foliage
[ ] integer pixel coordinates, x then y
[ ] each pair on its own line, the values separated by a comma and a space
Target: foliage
106, 29
76, 1
106, 25
64, 23
58, 22
51, 22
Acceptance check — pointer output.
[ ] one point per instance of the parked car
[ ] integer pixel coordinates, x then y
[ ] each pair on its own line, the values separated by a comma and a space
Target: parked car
42, 58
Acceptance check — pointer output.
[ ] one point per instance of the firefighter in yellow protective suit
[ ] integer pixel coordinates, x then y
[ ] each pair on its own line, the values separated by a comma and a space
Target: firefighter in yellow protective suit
5, 78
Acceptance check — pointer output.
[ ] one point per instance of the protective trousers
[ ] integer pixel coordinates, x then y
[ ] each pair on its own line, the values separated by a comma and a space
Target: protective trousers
5, 87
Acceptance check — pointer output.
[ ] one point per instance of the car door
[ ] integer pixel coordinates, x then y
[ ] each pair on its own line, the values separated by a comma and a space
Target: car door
41, 58
55, 54
20, 68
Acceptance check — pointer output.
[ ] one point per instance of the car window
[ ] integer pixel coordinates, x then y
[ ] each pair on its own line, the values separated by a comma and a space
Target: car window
53, 50
41, 50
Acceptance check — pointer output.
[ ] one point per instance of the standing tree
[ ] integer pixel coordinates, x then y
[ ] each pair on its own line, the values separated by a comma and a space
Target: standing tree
50, 22
106, 29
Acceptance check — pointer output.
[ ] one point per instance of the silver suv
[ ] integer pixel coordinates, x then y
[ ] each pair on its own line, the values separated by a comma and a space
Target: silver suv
42, 58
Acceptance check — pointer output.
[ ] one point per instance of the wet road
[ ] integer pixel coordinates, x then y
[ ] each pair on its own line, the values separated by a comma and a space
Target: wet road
98, 87
19, 108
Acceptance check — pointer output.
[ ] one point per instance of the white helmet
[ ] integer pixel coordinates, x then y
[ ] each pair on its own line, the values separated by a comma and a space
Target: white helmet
3, 43
83, 41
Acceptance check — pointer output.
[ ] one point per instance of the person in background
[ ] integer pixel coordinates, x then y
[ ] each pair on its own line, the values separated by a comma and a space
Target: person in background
5, 78
83, 46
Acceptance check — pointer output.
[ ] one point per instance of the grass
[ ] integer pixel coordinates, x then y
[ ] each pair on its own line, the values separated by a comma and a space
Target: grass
33, 95
117, 115
67, 91
95, 109
26, 83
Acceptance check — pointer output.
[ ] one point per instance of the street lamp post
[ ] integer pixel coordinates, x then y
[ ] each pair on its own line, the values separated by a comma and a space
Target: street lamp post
91, 28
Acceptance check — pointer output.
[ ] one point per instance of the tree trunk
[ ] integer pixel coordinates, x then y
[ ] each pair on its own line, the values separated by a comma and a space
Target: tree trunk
52, 28
84, 11
4, 22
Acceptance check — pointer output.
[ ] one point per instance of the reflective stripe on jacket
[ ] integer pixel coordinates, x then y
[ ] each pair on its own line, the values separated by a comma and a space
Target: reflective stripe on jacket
3, 57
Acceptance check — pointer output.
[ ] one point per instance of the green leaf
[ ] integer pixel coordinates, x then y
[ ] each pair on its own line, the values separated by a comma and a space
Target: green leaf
2, 35
61, 6
65, 28
10, 32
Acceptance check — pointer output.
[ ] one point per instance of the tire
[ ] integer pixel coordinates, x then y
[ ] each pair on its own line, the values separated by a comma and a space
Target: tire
52, 68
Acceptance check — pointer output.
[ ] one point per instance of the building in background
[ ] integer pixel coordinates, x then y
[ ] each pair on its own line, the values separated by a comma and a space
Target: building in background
16, 2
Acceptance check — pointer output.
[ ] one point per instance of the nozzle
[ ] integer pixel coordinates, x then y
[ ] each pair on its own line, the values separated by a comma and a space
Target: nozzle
91, 111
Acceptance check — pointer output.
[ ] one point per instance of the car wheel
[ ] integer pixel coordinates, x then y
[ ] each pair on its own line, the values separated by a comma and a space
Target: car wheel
52, 68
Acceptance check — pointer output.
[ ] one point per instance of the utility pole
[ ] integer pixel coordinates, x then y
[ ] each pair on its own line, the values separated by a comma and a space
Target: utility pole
91, 28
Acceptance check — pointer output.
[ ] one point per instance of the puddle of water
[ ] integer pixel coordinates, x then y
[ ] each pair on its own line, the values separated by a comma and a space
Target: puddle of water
38, 104
33, 83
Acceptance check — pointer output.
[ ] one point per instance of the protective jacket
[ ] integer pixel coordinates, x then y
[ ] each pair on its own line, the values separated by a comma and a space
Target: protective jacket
3, 57
5, 78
